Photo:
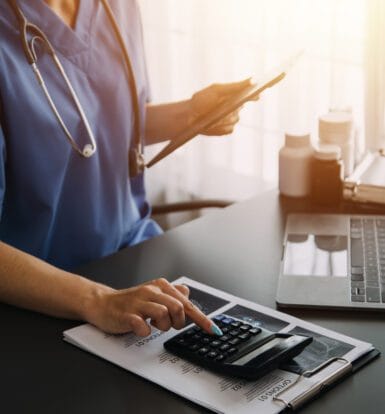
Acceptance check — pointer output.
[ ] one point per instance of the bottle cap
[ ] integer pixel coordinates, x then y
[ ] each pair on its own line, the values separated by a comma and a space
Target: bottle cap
327, 152
297, 140
335, 123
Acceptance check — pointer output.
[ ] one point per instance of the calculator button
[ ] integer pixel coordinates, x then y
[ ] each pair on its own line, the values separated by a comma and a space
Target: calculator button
190, 332
212, 354
234, 332
234, 341
227, 321
194, 347
215, 343
181, 341
244, 336
220, 357
254, 331
225, 338
232, 351
244, 328
236, 324
225, 329
219, 317
197, 337
203, 351
225, 347
196, 329
205, 341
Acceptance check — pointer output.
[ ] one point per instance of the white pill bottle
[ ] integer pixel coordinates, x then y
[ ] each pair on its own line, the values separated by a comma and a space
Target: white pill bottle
336, 128
295, 159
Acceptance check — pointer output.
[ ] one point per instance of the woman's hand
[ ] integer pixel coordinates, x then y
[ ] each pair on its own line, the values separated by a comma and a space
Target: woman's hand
166, 121
207, 99
158, 302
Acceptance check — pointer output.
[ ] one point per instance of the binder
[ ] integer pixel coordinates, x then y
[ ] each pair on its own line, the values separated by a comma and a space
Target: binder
347, 368
367, 183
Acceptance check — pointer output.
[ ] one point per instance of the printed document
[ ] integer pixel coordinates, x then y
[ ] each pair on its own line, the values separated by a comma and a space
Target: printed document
147, 357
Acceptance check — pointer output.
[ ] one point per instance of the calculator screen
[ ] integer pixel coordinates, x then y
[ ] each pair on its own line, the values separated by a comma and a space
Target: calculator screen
258, 351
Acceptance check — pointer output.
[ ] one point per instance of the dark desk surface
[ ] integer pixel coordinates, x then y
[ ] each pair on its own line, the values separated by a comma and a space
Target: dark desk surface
237, 250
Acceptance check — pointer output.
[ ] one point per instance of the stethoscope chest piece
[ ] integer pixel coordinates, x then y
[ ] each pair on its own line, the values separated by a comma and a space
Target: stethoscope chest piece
136, 162
88, 151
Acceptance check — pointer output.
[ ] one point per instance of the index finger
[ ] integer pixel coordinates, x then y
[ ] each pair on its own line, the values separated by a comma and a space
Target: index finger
193, 312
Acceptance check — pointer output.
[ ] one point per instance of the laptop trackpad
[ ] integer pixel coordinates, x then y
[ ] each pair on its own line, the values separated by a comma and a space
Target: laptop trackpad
316, 255
315, 269
314, 291
315, 263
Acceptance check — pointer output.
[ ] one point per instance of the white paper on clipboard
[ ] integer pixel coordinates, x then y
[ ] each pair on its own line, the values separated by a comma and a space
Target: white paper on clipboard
229, 105
147, 358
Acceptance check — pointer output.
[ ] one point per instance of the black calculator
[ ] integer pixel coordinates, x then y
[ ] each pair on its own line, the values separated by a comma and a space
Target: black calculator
243, 351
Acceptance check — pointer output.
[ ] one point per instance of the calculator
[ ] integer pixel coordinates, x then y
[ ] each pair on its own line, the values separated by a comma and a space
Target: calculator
243, 351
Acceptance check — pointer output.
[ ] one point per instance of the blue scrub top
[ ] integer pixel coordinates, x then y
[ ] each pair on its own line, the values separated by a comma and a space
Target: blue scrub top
54, 203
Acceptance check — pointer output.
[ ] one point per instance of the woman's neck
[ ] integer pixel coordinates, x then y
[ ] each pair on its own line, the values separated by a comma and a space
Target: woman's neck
66, 9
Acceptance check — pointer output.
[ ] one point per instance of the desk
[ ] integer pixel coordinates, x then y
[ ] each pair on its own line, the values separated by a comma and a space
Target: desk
237, 250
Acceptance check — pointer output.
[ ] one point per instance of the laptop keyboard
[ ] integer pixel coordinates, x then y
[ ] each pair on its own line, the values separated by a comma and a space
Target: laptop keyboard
367, 259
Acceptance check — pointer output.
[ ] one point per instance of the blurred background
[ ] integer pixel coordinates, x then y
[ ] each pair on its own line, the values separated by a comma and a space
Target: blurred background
193, 43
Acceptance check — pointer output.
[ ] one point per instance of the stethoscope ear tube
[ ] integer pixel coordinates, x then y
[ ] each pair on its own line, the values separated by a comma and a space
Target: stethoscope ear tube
30, 53
136, 149
89, 149
136, 159
23, 26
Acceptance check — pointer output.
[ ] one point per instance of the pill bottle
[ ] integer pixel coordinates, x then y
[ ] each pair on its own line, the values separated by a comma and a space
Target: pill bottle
336, 128
327, 173
295, 159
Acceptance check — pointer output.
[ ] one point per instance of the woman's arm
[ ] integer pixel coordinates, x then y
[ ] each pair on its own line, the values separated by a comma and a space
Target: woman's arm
167, 120
31, 283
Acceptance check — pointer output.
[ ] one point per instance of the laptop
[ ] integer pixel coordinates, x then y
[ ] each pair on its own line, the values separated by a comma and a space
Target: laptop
333, 261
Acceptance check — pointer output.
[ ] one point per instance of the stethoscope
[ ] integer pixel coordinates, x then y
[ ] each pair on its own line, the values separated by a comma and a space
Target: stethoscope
136, 159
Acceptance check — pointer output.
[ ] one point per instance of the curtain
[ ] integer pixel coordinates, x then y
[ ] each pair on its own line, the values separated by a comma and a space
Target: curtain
375, 75
193, 43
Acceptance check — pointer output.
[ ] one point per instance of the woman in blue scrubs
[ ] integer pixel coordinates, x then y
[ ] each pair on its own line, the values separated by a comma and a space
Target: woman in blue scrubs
59, 209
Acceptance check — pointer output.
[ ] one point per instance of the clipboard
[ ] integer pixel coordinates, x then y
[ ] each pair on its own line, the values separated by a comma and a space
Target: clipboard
347, 368
229, 105
173, 378
367, 183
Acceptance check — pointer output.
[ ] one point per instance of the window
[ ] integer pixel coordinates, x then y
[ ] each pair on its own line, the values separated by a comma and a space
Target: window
193, 43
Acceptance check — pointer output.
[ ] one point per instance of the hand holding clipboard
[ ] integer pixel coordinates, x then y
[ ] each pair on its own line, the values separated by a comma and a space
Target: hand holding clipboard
234, 101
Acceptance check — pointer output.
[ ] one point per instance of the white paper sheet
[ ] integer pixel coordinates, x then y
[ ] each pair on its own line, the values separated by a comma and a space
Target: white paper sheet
147, 357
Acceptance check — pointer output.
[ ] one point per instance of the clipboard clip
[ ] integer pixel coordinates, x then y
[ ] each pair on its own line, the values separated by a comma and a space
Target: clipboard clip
315, 389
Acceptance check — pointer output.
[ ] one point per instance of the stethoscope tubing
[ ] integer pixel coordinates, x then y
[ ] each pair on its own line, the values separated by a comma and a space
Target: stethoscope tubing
29, 49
